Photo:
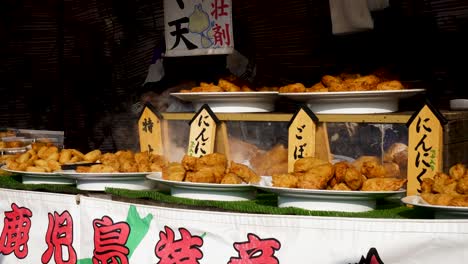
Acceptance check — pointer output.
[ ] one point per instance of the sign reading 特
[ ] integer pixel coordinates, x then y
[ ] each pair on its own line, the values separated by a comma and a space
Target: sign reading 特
149, 130
301, 136
202, 132
425, 142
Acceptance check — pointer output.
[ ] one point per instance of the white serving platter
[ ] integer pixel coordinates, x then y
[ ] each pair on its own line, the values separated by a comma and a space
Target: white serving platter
41, 177
231, 102
207, 191
99, 181
440, 211
326, 200
358, 102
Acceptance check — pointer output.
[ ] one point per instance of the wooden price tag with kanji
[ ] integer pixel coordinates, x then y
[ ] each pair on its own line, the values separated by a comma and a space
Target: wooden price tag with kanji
149, 130
425, 146
202, 132
301, 136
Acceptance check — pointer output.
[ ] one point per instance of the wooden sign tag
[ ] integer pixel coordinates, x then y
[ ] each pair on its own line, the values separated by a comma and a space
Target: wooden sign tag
149, 130
301, 136
202, 132
425, 146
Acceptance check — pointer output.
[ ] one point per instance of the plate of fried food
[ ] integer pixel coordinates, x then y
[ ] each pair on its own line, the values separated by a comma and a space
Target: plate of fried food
122, 169
347, 187
350, 94
210, 177
446, 194
227, 97
41, 164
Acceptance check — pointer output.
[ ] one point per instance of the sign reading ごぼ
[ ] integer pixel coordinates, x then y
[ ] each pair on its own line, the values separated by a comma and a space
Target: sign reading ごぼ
199, 27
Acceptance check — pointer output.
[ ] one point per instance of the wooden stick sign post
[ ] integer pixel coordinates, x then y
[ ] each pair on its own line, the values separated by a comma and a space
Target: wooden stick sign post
149, 130
202, 132
301, 136
425, 145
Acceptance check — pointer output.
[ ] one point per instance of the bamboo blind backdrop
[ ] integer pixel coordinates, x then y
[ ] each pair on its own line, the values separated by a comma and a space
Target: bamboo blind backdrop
78, 65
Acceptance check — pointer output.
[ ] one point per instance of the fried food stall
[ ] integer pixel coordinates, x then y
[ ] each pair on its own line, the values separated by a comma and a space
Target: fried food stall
333, 171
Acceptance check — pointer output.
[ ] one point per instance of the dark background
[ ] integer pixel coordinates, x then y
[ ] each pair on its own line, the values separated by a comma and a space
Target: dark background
79, 65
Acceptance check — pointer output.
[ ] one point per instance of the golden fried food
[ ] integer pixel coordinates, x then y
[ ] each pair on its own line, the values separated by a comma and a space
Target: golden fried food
373, 169
189, 162
364, 83
426, 185
383, 184
204, 175
216, 162
65, 156
271, 162
316, 177
35, 169
285, 180
174, 172
245, 88
459, 201
99, 168
340, 171
360, 161
128, 166
228, 86
444, 184
437, 198
457, 171
318, 87
308, 163
390, 85
293, 88
353, 179
392, 170
92, 156
231, 178
244, 172
341, 187
329, 80
462, 185
82, 169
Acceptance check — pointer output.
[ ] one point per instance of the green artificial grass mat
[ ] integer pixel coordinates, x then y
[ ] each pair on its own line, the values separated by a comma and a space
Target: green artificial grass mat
265, 203
14, 182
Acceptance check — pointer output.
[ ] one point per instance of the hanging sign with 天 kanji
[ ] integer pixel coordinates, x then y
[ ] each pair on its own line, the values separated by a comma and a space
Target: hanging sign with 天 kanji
198, 27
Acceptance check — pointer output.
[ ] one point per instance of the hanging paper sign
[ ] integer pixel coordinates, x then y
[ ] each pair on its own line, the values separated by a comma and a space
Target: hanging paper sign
425, 146
301, 138
198, 27
202, 132
149, 130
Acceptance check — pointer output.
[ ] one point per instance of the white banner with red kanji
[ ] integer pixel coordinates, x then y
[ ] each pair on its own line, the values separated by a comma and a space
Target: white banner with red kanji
198, 27
38, 227
117, 232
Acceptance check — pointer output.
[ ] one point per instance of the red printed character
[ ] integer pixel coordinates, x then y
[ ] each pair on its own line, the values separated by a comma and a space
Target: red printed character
109, 241
219, 8
186, 250
59, 236
256, 251
221, 36
15, 233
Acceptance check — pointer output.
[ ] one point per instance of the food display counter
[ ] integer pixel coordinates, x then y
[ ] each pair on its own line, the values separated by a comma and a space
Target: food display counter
63, 224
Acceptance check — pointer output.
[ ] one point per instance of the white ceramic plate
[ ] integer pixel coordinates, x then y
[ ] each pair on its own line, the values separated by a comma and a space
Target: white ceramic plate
207, 191
40, 177
326, 200
99, 181
359, 102
231, 102
459, 104
441, 211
